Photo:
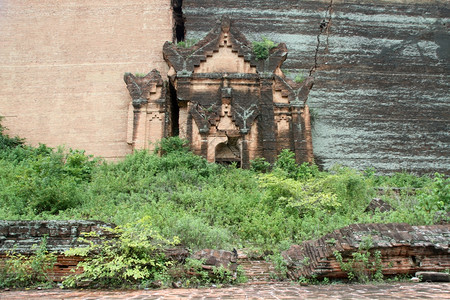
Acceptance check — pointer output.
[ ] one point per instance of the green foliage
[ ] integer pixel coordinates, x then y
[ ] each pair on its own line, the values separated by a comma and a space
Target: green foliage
136, 255
187, 43
260, 165
262, 49
37, 180
7, 142
298, 198
18, 270
436, 198
280, 265
399, 180
137, 74
192, 274
364, 266
171, 145
205, 204
299, 78
350, 187
287, 165
197, 234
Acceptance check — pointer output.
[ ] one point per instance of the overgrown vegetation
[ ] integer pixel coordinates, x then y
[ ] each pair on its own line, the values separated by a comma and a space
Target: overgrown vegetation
262, 49
192, 274
205, 205
19, 271
136, 256
364, 266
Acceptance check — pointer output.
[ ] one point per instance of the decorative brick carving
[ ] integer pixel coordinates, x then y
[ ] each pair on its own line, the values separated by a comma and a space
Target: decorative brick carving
234, 98
147, 117
224, 100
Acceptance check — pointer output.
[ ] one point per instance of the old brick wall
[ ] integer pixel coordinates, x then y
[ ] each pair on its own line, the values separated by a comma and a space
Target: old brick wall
381, 88
404, 249
382, 79
62, 66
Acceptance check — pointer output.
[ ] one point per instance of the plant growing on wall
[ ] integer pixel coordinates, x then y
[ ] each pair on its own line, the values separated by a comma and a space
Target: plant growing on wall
137, 74
187, 43
262, 49
364, 265
7, 142
18, 270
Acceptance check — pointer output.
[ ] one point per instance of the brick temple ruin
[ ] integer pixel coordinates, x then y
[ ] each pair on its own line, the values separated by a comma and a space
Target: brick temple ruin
404, 249
229, 105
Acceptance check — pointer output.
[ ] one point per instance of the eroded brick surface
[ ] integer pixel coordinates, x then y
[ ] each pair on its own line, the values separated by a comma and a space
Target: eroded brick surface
404, 249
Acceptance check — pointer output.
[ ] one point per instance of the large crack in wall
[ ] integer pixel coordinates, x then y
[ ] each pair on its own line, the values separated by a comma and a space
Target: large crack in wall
324, 27
179, 30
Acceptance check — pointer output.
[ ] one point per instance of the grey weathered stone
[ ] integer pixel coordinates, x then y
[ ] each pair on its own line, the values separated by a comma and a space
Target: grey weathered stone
433, 276
381, 80
22, 236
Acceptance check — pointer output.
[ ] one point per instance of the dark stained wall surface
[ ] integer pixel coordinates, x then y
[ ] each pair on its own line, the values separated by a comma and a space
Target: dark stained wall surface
382, 92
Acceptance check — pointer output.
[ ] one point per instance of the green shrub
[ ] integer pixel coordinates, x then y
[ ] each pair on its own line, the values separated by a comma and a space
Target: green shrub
262, 49
286, 164
299, 78
43, 180
7, 142
171, 145
364, 266
435, 199
187, 43
399, 180
198, 234
298, 198
206, 204
136, 255
260, 165
18, 270
137, 74
192, 274
350, 187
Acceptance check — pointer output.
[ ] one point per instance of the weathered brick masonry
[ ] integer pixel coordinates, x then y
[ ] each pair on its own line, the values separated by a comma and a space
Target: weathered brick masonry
404, 249
23, 236
62, 66
382, 70
382, 77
